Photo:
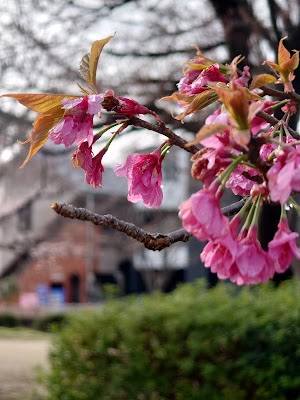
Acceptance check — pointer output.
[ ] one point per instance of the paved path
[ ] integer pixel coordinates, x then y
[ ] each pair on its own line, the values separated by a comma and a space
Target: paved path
18, 359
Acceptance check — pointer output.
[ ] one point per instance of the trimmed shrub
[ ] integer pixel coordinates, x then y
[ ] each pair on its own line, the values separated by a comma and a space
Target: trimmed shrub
222, 343
50, 322
9, 320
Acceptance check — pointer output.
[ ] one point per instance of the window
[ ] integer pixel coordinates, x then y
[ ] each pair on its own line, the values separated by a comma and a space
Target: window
24, 217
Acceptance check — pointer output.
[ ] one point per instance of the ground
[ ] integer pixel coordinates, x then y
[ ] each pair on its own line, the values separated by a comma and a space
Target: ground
18, 358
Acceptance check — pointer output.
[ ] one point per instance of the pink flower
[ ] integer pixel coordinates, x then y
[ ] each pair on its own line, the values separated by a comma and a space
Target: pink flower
290, 107
144, 178
252, 262
284, 175
239, 258
208, 163
129, 108
257, 123
201, 214
219, 255
194, 82
242, 180
92, 165
283, 248
266, 150
76, 125
222, 139
244, 78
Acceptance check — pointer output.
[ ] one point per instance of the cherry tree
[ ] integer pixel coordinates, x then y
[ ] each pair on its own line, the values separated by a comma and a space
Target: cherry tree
241, 146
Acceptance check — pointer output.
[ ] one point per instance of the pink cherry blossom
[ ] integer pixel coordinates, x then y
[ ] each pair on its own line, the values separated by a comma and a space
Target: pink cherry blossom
252, 262
284, 175
219, 255
201, 214
266, 150
257, 123
129, 108
144, 178
242, 180
290, 107
76, 126
283, 248
194, 82
222, 139
208, 163
92, 165
238, 257
244, 78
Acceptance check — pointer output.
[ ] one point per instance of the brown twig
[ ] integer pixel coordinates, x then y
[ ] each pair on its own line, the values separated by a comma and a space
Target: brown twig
274, 121
163, 130
281, 95
152, 241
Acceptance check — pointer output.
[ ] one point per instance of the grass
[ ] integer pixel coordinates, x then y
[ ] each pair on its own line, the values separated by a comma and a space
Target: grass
22, 333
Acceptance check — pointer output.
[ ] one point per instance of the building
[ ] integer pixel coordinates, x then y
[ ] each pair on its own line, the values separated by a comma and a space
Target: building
56, 260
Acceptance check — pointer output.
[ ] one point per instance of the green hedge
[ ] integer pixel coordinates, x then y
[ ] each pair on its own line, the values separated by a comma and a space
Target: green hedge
222, 343
9, 320
50, 322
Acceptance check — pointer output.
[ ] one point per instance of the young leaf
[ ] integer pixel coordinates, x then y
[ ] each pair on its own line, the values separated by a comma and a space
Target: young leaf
199, 102
262, 80
84, 67
40, 102
39, 135
283, 53
89, 62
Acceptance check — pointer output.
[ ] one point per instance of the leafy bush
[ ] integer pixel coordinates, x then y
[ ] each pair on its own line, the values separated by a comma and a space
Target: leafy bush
50, 322
9, 320
222, 343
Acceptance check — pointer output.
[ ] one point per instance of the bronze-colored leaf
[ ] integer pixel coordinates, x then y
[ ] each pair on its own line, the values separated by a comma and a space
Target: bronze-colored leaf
89, 62
199, 102
39, 135
181, 98
283, 53
262, 80
40, 102
84, 67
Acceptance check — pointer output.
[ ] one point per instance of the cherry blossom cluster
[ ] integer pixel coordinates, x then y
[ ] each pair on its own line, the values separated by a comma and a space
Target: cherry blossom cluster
239, 148
244, 153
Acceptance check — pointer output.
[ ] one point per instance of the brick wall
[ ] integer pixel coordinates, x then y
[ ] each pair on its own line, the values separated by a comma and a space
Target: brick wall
63, 261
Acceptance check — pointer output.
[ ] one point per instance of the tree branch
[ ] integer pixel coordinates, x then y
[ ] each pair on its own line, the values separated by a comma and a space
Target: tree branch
273, 121
281, 95
162, 129
152, 241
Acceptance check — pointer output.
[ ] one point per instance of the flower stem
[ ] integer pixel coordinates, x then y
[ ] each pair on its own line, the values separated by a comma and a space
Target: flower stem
107, 128
226, 173
294, 204
116, 133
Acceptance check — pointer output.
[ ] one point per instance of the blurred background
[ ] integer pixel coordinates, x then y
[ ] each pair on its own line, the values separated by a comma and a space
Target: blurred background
48, 262
45, 259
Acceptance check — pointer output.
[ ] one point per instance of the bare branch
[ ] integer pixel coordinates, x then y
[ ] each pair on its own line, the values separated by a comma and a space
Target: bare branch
162, 129
155, 241
281, 95
152, 241
274, 121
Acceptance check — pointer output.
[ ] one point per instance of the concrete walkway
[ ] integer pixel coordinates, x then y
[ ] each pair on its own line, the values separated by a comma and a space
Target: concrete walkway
18, 359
